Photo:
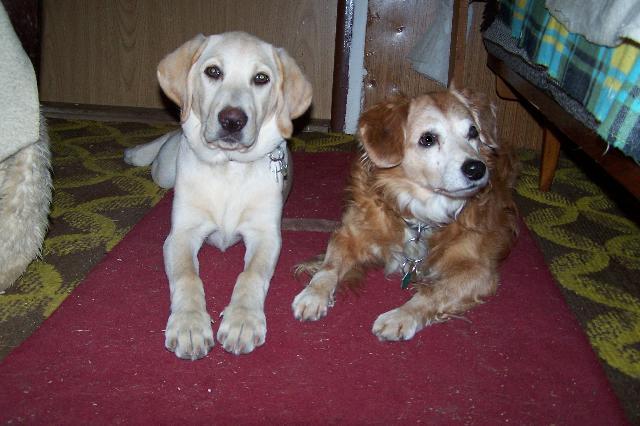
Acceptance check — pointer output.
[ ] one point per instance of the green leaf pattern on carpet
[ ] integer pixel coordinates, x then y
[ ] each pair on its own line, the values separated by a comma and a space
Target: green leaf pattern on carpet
584, 236
614, 335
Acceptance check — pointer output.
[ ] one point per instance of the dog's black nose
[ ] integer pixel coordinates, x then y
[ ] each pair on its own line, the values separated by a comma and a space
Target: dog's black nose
474, 169
232, 119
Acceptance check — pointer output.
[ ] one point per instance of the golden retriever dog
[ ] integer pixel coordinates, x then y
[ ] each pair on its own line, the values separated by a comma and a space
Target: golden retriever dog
430, 199
229, 169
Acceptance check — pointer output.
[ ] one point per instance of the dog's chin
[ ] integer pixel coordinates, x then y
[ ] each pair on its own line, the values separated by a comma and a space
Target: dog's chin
465, 192
228, 143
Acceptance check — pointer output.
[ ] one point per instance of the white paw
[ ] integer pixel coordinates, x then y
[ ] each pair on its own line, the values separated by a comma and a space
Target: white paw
129, 154
242, 329
396, 324
311, 304
188, 334
133, 156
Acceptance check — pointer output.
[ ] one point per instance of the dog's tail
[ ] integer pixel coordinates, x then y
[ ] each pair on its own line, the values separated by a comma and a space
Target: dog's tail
352, 279
143, 155
309, 268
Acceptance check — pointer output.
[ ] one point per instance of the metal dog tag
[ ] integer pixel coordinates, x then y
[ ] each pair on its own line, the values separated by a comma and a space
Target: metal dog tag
414, 252
279, 163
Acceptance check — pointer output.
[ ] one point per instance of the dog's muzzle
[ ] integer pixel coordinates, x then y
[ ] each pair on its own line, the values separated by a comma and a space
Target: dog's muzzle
229, 134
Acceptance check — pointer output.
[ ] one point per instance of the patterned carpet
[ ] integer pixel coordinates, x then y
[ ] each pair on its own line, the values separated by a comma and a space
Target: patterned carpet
591, 246
96, 200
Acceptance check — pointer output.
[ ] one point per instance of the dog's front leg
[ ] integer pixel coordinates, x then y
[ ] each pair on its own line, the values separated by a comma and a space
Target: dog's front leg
313, 303
244, 327
449, 295
188, 333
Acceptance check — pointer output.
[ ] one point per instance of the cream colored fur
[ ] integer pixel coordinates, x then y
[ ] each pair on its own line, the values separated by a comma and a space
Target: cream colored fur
225, 189
25, 195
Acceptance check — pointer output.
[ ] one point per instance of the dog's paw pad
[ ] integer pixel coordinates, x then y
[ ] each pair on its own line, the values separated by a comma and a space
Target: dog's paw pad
396, 324
311, 305
242, 329
189, 334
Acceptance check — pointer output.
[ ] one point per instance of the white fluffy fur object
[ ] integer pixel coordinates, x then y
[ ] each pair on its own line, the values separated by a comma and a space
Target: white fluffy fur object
25, 195
25, 180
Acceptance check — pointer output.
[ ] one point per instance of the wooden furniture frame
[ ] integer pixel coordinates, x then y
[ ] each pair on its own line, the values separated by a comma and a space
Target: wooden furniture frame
559, 126
344, 32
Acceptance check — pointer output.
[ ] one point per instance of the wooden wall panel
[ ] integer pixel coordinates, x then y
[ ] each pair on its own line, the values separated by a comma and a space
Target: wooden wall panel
515, 123
392, 30
106, 52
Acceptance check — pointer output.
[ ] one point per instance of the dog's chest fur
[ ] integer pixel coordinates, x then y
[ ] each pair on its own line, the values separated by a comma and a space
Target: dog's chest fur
228, 198
431, 213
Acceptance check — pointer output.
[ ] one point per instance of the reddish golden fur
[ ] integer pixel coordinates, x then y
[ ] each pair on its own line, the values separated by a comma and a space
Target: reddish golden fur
461, 266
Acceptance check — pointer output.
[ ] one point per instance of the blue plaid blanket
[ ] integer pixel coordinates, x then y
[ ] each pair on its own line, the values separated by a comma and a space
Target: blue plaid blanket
606, 80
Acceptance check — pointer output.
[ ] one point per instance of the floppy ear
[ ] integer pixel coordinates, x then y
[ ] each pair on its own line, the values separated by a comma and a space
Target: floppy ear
382, 132
484, 114
295, 92
173, 73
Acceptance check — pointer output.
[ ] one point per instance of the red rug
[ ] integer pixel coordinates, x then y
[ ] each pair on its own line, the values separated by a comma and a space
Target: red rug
99, 358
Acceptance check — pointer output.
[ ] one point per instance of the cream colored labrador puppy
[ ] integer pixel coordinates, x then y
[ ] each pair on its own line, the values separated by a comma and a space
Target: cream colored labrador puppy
228, 165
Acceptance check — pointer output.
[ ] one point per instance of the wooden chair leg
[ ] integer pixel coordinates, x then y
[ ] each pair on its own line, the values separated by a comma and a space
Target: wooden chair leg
458, 43
550, 155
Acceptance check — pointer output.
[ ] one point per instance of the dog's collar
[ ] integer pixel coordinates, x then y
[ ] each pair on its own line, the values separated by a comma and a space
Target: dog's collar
417, 226
278, 162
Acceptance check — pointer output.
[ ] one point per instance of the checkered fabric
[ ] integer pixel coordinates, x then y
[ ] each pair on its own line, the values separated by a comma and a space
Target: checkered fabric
605, 80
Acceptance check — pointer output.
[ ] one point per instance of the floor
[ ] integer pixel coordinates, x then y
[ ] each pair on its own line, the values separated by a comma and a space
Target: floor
586, 226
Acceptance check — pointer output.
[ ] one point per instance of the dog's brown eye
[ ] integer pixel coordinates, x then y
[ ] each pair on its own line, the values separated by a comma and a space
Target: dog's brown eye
473, 132
214, 72
261, 78
428, 139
